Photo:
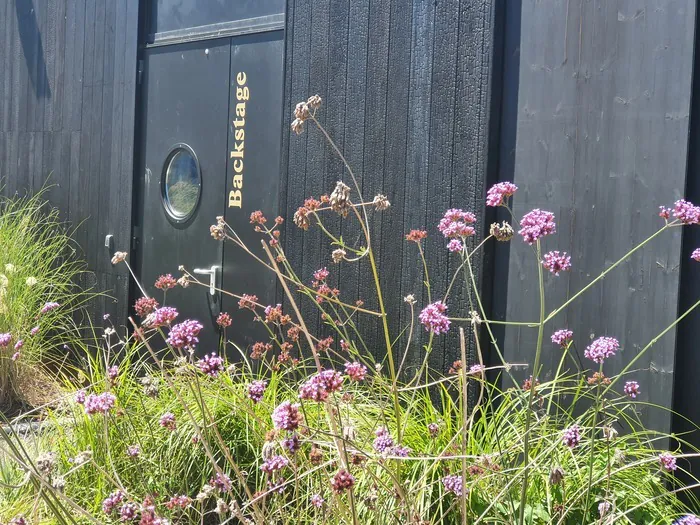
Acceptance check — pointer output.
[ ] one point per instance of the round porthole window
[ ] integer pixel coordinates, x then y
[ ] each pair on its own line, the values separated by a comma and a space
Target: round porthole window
181, 183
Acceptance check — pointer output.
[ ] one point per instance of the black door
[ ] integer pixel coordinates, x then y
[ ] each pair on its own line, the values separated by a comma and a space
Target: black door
184, 143
211, 118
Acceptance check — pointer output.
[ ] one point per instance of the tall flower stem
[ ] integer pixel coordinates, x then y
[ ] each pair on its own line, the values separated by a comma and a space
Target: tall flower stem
596, 410
531, 396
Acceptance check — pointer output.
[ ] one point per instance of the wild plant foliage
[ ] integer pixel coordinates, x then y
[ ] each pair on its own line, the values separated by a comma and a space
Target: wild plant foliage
303, 427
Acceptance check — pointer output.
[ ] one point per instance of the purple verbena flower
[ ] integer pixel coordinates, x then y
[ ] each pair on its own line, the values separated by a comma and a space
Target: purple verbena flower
287, 416
167, 421
184, 334
556, 262
383, 442
133, 451
80, 397
256, 390
433, 429
19, 344
99, 403
355, 371
476, 369
292, 443
161, 317
221, 482
686, 212
434, 319
454, 484
274, 464
668, 462
34, 330
601, 349
536, 224
211, 364
689, 519
455, 245
562, 337
572, 436
5, 339
111, 501
317, 501
498, 193
48, 307
632, 389
456, 224
319, 386
128, 512
112, 372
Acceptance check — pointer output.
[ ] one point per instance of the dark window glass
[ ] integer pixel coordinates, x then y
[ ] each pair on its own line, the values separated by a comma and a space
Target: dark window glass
182, 184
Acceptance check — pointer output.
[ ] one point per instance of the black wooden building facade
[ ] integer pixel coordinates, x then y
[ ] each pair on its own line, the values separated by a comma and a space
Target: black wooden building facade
587, 106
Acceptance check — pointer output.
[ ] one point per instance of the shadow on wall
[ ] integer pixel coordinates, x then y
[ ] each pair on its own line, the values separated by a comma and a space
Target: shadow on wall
32, 47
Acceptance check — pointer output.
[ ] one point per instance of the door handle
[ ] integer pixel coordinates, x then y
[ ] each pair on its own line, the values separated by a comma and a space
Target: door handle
211, 272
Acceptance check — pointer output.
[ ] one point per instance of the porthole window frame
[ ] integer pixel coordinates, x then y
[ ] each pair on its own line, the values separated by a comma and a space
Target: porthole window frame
167, 206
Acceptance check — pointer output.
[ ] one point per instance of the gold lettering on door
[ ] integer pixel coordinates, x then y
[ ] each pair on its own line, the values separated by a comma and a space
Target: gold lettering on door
235, 196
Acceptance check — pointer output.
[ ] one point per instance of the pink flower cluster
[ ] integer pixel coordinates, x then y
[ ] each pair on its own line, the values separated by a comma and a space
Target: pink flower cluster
454, 484
434, 319
221, 482
167, 421
455, 246
562, 337
355, 371
476, 370
5, 340
498, 193
384, 444
161, 316
317, 501
631, 389
99, 403
184, 334
274, 464
536, 224
686, 212
557, 262
128, 512
111, 501
695, 255
292, 443
211, 364
133, 451
319, 386
456, 224
601, 349
667, 461
687, 520
256, 390
287, 416
572, 436
48, 307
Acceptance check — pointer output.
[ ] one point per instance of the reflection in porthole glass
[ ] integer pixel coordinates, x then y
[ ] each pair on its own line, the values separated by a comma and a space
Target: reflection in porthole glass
182, 184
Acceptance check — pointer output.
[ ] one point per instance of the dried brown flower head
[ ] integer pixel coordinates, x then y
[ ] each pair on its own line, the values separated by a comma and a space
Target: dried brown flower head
217, 232
314, 102
118, 257
338, 255
297, 126
502, 232
340, 199
301, 111
380, 202
301, 218
556, 475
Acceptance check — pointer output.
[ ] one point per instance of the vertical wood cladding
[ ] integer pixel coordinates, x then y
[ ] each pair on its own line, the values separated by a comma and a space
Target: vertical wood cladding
67, 92
602, 138
407, 98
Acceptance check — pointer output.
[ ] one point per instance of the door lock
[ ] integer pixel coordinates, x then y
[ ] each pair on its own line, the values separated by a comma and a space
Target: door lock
211, 272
